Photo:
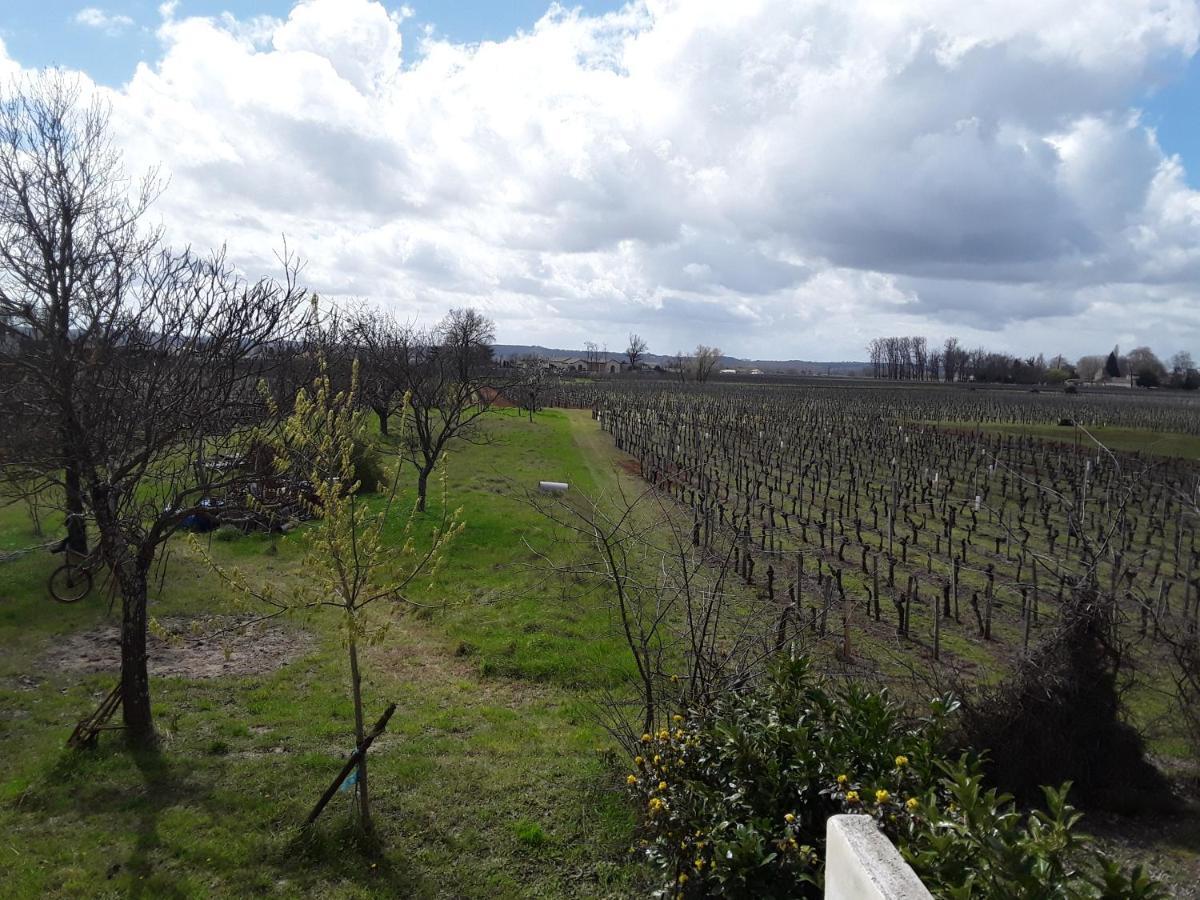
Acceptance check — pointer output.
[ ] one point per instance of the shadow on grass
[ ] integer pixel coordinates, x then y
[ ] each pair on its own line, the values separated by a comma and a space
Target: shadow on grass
343, 851
123, 793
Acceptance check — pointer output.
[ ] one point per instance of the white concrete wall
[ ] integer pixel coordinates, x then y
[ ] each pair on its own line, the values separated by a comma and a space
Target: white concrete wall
862, 864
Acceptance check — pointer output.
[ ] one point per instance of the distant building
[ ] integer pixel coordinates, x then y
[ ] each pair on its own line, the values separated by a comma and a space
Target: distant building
569, 364
727, 372
606, 366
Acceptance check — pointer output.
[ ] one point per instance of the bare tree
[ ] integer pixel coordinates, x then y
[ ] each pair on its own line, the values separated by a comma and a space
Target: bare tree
375, 339
468, 335
690, 633
165, 380
682, 364
531, 385
69, 238
705, 361
637, 347
447, 376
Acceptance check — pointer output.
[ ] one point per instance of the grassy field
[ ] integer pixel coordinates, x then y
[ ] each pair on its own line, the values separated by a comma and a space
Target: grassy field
492, 779
1127, 440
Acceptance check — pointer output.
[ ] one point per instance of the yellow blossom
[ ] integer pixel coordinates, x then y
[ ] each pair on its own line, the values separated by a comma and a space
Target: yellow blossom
631, 779
646, 738
662, 785
676, 718
789, 818
901, 761
637, 760
842, 779
851, 796
911, 804
882, 796
699, 863
663, 735
683, 877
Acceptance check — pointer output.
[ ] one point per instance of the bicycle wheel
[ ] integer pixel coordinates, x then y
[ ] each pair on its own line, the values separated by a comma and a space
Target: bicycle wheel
69, 583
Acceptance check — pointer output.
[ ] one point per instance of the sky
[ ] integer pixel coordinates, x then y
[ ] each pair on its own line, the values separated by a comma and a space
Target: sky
782, 178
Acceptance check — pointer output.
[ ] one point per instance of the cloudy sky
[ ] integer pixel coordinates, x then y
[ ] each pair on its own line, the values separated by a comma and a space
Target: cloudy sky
783, 179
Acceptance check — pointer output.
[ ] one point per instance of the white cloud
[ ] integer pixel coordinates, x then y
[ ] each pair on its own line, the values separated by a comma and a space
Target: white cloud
94, 17
786, 179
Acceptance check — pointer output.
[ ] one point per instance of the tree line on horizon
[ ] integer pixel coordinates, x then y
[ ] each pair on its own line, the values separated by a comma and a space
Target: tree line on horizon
915, 358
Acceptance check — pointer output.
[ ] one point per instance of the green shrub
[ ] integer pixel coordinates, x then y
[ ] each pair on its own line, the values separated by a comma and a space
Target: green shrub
735, 798
227, 533
369, 470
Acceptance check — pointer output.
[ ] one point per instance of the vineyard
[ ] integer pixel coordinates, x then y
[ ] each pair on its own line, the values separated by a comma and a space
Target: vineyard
892, 525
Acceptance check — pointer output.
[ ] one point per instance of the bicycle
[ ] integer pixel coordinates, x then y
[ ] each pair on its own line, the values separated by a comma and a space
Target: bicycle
72, 581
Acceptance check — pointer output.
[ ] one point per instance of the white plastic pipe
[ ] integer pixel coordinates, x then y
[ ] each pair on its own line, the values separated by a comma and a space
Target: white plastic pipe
552, 487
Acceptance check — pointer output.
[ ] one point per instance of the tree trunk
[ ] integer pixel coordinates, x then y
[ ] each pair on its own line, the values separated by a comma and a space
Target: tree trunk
73, 496
364, 800
382, 413
422, 487
135, 680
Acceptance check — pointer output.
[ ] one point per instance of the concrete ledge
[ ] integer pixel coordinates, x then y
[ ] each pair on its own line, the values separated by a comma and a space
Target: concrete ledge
862, 864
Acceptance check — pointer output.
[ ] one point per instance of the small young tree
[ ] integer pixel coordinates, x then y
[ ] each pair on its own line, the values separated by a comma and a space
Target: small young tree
349, 565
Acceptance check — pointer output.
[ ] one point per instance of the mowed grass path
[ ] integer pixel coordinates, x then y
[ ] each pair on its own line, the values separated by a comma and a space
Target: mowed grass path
490, 782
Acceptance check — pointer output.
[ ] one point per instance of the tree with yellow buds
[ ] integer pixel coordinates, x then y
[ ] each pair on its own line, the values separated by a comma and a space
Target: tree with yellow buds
348, 565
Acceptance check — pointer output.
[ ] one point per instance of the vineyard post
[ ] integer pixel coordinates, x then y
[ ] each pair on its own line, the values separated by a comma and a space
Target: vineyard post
937, 628
989, 594
954, 586
875, 583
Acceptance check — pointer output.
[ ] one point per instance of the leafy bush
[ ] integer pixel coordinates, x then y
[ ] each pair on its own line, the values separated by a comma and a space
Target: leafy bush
735, 799
227, 533
369, 470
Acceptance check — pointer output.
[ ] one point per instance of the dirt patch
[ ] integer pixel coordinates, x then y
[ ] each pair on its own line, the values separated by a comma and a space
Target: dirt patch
202, 647
632, 466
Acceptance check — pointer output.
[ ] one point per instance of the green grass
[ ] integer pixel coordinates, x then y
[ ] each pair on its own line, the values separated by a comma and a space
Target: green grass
492, 779
1128, 440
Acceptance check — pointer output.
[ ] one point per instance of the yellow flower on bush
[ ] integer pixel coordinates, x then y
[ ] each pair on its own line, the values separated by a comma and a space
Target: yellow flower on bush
637, 760
657, 759
911, 804
656, 805
699, 863
789, 818
882, 796
646, 738
683, 877
901, 761
631, 779
663, 735
677, 718
662, 785
851, 796
843, 779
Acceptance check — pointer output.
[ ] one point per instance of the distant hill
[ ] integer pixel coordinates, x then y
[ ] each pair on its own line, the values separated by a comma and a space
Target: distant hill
777, 366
